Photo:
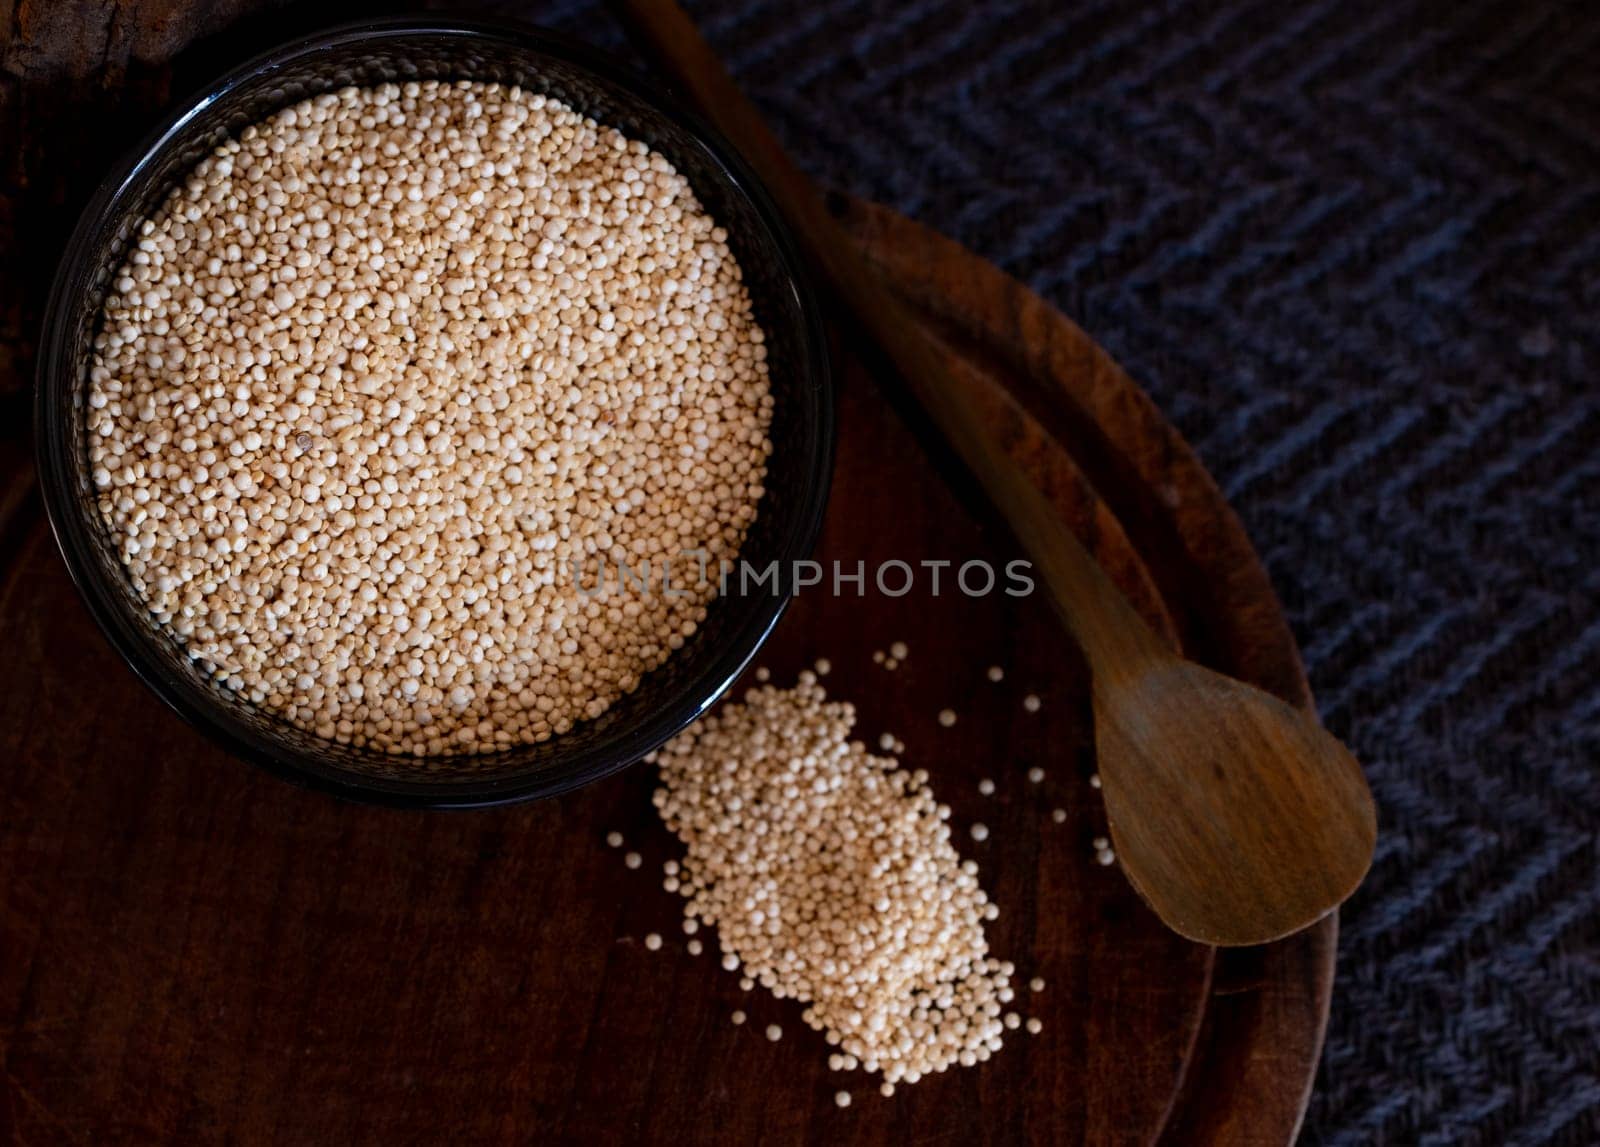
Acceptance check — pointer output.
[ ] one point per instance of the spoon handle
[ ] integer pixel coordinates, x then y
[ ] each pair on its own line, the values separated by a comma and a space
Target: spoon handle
1116, 640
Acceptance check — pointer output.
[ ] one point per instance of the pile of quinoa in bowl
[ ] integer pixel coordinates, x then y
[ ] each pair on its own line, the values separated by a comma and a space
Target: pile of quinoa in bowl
383, 369
382, 375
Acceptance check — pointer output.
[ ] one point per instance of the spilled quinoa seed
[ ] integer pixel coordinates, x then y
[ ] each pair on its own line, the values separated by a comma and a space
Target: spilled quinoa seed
832, 879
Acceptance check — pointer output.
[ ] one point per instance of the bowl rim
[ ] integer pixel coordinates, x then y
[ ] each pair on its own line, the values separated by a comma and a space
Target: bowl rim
111, 611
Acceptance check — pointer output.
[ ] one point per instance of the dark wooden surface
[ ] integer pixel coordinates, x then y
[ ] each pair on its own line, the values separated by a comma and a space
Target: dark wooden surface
190, 950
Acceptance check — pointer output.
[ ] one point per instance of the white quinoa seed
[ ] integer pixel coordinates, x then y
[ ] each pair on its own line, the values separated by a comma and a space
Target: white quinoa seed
842, 1098
886, 1090
381, 368
877, 657
632, 859
891, 663
763, 674
1031, 703
947, 717
652, 941
694, 947
1106, 857
614, 839
737, 1018
986, 787
899, 651
1094, 780
823, 667
1100, 844
1059, 815
996, 674
1036, 984
1035, 1026
1035, 775
831, 875
774, 1032
980, 832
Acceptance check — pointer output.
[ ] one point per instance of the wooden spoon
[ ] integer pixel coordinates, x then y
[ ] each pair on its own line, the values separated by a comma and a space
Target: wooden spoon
1238, 818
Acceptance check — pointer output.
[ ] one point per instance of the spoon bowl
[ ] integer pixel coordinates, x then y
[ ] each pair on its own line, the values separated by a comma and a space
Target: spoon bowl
1220, 793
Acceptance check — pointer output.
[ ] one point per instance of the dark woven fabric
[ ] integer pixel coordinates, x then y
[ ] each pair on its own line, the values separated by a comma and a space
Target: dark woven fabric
1351, 248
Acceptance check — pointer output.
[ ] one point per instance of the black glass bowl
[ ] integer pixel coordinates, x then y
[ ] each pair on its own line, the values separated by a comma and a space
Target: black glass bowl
787, 521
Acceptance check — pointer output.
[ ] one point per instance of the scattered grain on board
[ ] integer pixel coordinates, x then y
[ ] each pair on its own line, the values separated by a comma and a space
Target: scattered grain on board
899, 651
1035, 775
695, 947
947, 717
737, 1018
996, 674
986, 787
652, 941
1094, 780
633, 860
842, 1098
774, 1032
980, 832
1059, 815
614, 839
831, 875
1031, 703
823, 667
381, 368
1035, 1025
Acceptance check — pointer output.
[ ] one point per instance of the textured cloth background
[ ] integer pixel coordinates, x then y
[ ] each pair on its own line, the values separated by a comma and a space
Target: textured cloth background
1351, 248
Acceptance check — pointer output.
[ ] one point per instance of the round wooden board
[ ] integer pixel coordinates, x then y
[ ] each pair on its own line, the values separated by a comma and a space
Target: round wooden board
191, 948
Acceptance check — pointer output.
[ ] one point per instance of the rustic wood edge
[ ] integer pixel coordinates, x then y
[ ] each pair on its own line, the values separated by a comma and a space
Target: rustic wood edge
1256, 1055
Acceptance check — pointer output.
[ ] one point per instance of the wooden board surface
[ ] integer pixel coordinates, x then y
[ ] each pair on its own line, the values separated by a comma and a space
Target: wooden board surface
189, 948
